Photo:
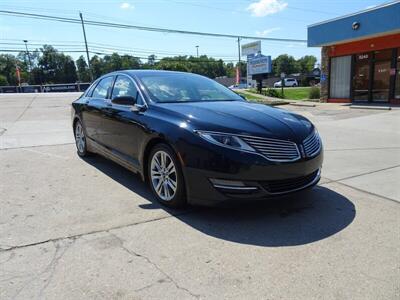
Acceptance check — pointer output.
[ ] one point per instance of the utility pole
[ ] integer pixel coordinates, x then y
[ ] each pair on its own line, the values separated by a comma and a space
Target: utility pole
30, 61
87, 49
239, 64
197, 51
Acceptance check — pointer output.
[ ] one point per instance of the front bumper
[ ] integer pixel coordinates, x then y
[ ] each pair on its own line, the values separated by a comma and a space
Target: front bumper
259, 178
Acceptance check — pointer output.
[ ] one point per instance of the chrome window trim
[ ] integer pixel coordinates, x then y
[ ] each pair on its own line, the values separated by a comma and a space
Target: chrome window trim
137, 87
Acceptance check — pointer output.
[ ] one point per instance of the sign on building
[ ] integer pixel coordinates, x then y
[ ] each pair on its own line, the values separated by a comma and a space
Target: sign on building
251, 48
260, 65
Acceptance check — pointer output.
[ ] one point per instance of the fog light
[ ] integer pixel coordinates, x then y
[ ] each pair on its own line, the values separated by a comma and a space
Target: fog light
231, 185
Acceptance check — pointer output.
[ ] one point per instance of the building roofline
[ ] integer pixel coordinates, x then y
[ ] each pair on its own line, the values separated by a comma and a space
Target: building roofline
356, 13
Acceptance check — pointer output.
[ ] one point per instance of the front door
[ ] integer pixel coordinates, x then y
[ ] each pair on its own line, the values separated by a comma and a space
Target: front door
361, 78
371, 80
123, 127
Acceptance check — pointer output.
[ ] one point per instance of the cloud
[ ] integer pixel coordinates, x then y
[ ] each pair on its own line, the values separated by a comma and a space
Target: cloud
126, 5
370, 6
266, 7
266, 32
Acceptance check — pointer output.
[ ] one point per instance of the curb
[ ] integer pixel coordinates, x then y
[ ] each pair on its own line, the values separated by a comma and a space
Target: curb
303, 104
370, 107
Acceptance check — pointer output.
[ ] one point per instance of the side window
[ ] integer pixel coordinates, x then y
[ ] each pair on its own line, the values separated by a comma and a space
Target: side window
124, 86
102, 88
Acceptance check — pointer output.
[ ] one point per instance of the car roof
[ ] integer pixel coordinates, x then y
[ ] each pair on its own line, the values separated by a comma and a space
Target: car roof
147, 72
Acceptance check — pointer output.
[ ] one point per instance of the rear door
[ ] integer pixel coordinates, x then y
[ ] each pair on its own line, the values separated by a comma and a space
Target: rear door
95, 105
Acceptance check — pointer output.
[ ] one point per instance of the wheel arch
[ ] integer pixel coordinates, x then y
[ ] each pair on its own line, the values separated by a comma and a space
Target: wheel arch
146, 153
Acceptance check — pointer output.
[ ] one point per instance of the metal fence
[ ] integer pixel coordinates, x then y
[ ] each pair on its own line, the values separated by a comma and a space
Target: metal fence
46, 88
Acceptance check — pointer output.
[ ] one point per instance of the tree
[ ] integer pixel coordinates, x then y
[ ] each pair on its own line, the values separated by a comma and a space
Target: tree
56, 67
284, 64
82, 69
8, 66
3, 80
306, 63
151, 60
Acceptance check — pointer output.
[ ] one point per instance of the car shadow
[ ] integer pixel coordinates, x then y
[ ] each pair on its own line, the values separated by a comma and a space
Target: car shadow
296, 219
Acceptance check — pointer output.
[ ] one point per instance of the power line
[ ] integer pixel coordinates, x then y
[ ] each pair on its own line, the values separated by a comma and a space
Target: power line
145, 28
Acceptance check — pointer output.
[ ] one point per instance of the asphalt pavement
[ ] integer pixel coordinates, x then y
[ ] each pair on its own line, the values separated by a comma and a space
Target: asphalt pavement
74, 228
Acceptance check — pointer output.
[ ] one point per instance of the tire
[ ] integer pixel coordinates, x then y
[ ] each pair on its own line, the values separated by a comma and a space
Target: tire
165, 176
80, 140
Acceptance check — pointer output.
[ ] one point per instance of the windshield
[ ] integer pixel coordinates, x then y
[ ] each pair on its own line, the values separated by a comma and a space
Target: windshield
185, 87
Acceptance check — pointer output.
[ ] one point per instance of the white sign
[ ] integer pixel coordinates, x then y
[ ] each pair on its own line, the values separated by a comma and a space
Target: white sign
251, 48
260, 65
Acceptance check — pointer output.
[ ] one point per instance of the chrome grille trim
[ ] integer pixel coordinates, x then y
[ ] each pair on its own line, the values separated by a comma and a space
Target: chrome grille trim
312, 144
273, 149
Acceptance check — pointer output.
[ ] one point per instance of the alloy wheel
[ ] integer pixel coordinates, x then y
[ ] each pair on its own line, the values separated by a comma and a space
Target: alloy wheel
80, 138
163, 175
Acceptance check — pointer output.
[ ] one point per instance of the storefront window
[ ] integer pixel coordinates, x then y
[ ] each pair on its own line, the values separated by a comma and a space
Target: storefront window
381, 83
397, 84
361, 77
340, 77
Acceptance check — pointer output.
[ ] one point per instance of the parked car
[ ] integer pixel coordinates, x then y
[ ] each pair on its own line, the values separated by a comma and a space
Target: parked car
239, 86
289, 82
194, 140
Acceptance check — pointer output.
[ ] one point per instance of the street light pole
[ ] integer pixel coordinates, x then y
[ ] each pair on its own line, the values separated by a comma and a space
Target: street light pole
30, 61
197, 51
87, 49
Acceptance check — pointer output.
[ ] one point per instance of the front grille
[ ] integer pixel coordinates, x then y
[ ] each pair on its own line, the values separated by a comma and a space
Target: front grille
287, 185
273, 149
312, 144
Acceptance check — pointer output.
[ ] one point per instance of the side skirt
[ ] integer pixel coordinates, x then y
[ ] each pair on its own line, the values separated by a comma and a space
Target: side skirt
117, 157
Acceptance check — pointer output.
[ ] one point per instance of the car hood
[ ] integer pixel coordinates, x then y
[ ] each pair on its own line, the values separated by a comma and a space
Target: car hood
240, 117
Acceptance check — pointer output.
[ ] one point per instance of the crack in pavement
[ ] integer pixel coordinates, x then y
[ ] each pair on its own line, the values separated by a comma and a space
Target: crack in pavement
361, 174
148, 260
361, 190
5, 248
58, 254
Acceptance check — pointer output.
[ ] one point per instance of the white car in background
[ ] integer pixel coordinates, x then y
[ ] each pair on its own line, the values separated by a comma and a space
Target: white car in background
289, 82
239, 86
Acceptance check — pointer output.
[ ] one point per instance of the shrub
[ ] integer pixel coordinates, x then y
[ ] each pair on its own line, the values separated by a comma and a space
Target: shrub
272, 93
314, 93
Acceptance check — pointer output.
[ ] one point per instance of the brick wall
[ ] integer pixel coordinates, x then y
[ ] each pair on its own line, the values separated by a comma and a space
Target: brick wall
324, 73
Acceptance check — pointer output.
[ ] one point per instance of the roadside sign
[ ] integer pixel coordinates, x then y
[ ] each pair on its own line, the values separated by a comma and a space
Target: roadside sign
283, 75
260, 65
251, 48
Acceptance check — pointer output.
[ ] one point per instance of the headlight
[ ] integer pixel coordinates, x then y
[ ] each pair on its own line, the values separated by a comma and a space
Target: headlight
225, 140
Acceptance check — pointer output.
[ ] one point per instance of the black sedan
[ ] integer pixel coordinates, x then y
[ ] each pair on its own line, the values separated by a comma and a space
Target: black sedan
195, 141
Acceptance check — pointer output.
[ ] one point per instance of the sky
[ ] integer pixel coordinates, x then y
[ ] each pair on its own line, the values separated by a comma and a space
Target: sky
267, 18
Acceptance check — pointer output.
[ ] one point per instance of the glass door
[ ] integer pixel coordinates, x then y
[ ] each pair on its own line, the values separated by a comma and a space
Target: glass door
361, 77
397, 81
381, 76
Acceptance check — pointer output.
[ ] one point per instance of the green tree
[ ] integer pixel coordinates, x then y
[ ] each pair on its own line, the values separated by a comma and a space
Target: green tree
8, 66
3, 80
284, 64
56, 67
82, 69
97, 65
306, 63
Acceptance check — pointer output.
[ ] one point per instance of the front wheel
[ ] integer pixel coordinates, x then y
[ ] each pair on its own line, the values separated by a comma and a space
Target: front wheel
165, 176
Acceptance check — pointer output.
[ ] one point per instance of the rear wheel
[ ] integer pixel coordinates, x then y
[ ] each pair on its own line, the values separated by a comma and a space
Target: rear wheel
165, 176
80, 140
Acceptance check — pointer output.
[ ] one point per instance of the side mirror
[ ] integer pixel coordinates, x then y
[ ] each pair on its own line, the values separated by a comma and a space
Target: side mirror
124, 100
